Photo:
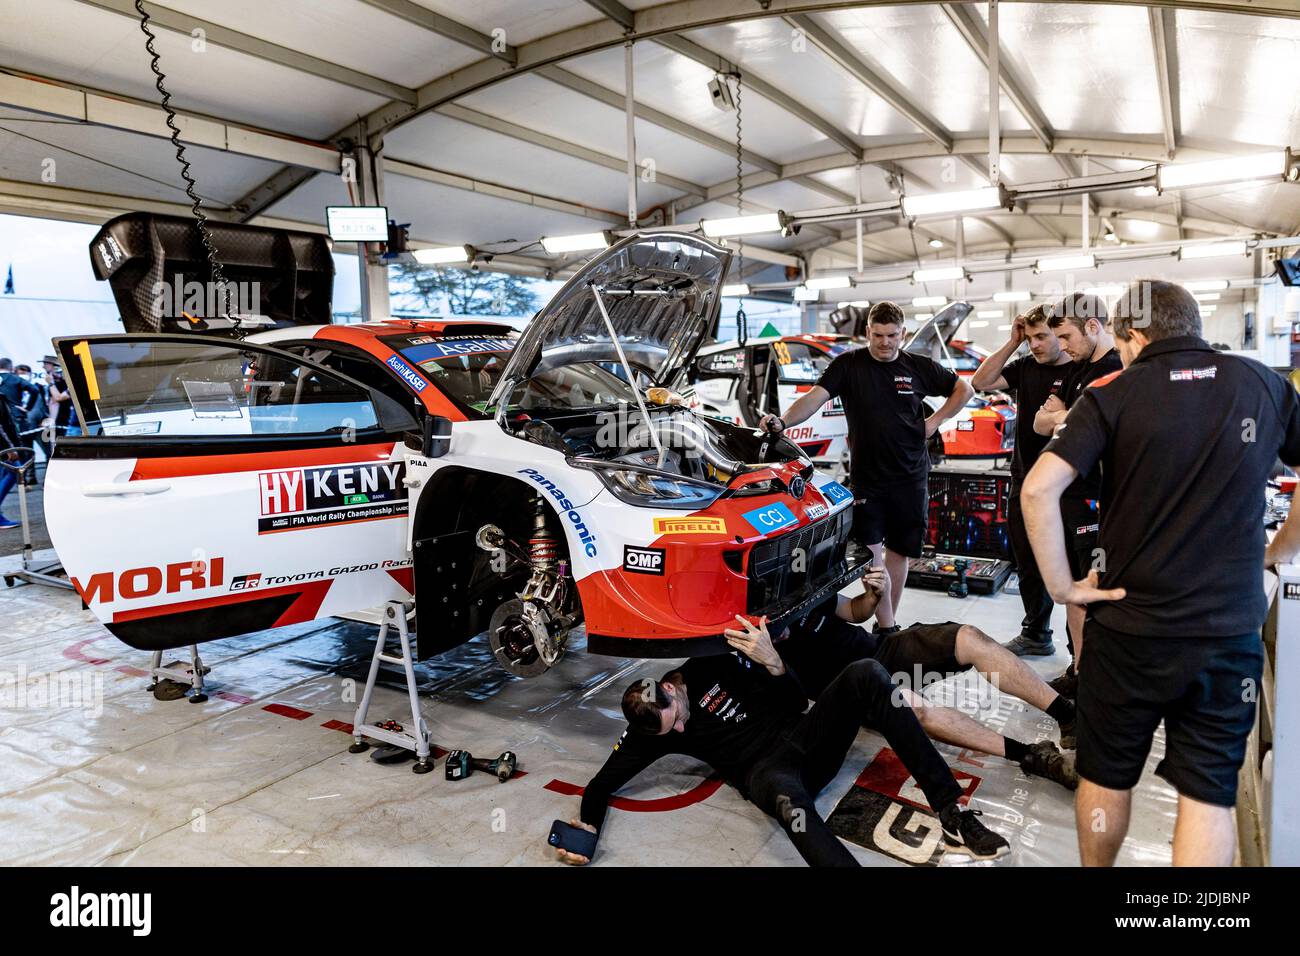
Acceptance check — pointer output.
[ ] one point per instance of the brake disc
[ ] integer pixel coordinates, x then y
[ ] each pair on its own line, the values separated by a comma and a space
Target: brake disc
521, 640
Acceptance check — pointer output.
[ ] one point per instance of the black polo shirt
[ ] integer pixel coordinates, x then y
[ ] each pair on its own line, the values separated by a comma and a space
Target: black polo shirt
1186, 437
1033, 383
1083, 374
883, 403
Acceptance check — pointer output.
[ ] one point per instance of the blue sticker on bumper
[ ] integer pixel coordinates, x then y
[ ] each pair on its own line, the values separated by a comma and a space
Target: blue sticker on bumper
835, 492
770, 517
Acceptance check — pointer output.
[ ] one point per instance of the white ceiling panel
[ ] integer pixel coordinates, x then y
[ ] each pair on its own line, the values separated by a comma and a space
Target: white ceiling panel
1239, 78
113, 161
541, 105
1090, 67
70, 41
675, 84
349, 33
769, 48
520, 22
927, 59
456, 147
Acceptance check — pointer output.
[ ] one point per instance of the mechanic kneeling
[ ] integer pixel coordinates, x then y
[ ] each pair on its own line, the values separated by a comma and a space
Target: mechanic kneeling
743, 714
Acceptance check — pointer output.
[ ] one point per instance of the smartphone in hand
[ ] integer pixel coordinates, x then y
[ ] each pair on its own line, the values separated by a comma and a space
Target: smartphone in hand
573, 839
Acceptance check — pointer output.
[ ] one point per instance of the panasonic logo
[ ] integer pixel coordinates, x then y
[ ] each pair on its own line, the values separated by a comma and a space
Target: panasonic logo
75, 909
566, 506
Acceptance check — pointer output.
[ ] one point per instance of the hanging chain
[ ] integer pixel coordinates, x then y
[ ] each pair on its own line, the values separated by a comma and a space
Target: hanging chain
217, 274
742, 321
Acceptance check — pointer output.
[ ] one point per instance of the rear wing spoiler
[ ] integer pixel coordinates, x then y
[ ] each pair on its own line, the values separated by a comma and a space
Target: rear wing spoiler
158, 270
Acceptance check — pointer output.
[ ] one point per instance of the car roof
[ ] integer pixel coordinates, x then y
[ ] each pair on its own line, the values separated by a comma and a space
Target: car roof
376, 329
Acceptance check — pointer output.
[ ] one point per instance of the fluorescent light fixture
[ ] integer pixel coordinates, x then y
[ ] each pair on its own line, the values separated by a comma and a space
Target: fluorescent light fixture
1208, 309
357, 223
1013, 296
1206, 297
1206, 285
1208, 250
804, 294
1146, 191
978, 325
965, 200
936, 243
575, 243
438, 255
928, 300
940, 274
923, 316
1238, 169
1004, 328
1105, 291
1064, 263
829, 282
860, 303
990, 314
740, 288
741, 225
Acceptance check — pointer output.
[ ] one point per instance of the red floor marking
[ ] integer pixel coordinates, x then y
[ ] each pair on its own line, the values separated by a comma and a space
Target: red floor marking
76, 652
886, 775
284, 710
130, 671
697, 794
232, 697
338, 725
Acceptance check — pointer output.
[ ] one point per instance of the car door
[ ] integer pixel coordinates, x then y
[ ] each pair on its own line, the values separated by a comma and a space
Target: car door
222, 487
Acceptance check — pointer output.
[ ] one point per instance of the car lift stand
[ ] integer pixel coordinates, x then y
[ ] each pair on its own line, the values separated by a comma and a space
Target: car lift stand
178, 674
416, 740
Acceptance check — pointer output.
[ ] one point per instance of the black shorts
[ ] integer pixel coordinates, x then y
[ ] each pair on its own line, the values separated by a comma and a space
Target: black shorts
1204, 688
818, 658
893, 513
1082, 534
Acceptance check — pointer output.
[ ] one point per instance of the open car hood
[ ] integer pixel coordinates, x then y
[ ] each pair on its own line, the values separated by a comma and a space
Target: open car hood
937, 332
662, 291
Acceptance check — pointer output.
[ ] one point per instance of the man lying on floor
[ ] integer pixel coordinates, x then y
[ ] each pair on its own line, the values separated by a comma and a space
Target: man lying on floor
743, 714
827, 639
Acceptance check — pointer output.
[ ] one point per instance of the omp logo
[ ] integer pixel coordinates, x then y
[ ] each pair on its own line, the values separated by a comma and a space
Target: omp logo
643, 560
246, 582
770, 517
690, 526
567, 508
107, 586
76, 909
331, 494
409, 375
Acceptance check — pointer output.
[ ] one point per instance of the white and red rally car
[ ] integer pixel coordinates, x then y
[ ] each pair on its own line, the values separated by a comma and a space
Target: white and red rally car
517, 486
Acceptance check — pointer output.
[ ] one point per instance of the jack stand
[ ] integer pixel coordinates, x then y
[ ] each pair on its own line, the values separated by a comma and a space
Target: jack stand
178, 674
415, 739
31, 572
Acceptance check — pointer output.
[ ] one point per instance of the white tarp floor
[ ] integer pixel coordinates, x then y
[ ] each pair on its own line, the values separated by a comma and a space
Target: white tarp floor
260, 773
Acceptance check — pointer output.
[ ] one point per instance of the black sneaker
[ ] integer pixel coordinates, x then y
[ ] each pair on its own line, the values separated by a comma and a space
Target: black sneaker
1066, 683
963, 833
1046, 761
1023, 645
885, 631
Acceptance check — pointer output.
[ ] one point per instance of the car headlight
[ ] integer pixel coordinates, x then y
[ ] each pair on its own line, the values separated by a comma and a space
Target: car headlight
649, 490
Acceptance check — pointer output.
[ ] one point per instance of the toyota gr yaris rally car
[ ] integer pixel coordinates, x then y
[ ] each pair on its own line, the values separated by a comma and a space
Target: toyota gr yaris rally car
521, 487
740, 383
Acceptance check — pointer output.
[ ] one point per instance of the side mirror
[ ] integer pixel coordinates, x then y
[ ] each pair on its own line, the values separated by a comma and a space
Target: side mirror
435, 440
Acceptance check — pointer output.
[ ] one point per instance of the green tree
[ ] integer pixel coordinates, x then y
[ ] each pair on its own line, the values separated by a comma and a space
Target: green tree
468, 292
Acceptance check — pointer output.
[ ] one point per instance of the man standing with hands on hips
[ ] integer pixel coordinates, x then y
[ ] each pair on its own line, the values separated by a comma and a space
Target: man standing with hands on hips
1036, 378
883, 390
1186, 438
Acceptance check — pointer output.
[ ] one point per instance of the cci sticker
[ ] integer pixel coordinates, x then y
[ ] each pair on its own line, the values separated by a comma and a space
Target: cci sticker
690, 526
835, 492
643, 560
409, 375
770, 517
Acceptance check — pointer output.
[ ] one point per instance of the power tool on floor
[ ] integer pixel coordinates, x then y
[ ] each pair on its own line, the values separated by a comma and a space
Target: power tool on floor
461, 763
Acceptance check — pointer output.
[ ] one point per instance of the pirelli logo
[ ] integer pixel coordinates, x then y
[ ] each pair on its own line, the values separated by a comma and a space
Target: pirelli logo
690, 526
